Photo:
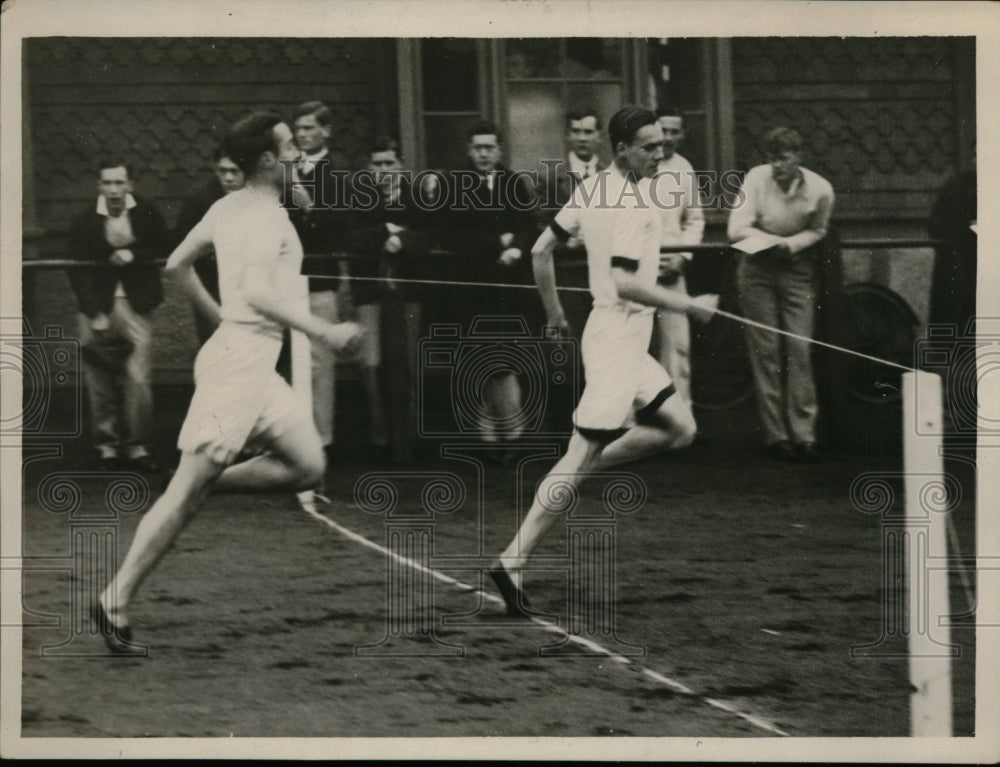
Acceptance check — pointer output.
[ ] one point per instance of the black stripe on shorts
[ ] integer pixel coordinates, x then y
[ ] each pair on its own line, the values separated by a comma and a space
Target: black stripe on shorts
628, 264
645, 414
561, 234
601, 436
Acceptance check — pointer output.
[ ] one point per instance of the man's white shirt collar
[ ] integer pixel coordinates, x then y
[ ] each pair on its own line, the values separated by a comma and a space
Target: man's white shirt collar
797, 182
102, 204
584, 168
308, 161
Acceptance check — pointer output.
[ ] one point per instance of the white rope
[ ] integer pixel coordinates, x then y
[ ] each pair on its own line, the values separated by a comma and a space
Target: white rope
853, 353
719, 312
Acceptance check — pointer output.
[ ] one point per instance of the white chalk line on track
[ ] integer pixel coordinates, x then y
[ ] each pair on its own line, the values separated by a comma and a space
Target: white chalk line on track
673, 684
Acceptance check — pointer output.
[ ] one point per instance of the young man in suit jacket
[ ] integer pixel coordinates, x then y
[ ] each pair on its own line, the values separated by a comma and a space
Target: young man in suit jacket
489, 225
124, 235
560, 180
389, 235
320, 216
227, 178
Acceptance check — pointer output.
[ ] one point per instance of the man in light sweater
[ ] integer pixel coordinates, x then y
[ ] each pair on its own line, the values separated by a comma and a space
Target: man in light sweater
785, 209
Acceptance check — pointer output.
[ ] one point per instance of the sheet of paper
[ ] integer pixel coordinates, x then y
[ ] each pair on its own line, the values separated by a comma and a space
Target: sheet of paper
755, 243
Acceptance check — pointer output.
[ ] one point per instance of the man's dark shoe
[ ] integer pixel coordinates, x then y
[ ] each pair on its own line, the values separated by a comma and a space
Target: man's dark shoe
117, 638
783, 450
808, 453
515, 599
145, 463
108, 463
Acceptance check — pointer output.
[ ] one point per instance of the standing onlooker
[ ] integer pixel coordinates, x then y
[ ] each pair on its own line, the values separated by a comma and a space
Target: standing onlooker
682, 223
388, 234
124, 235
318, 217
782, 217
559, 181
489, 225
228, 178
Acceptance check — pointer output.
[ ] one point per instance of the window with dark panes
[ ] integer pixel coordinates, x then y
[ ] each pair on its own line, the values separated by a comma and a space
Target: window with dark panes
682, 78
547, 77
452, 97
691, 74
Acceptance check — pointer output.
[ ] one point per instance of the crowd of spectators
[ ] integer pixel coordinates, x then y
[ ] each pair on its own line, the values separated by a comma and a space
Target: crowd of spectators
399, 251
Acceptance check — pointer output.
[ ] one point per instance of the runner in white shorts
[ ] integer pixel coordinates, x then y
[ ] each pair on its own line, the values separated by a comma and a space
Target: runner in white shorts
239, 399
626, 411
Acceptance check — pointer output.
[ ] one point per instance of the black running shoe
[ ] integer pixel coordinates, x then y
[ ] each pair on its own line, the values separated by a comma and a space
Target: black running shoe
515, 599
117, 638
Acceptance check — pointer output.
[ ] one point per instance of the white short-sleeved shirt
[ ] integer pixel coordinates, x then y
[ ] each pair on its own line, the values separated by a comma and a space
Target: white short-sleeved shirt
250, 230
616, 217
239, 398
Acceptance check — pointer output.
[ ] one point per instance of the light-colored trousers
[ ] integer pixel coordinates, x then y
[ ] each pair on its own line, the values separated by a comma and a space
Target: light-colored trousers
124, 419
781, 292
323, 303
674, 331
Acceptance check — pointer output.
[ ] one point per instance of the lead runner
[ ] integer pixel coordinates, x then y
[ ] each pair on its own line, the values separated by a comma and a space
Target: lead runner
627, 410
239, 399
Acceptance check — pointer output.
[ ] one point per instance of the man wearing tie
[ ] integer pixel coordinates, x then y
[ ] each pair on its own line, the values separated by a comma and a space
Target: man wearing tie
319, 215
559, 180
583, 137
489, 226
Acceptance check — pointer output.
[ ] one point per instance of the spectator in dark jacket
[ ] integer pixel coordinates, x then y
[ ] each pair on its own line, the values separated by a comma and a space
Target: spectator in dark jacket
489, 225
228, 178
320, 216
389, 237
123, 235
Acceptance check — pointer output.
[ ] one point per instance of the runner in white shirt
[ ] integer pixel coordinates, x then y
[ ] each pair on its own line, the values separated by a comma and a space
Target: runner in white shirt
626, 411
239, 399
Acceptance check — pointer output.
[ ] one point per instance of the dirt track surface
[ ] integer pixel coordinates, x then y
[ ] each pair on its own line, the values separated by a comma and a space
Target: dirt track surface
744, 579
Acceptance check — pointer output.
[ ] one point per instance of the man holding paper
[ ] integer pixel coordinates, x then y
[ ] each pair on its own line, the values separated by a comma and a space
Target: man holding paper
783, 214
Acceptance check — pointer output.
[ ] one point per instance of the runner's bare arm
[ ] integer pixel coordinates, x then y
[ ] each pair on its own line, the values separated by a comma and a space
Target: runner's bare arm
259, 292
701, 308
180, 265
197, 294
545, 278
